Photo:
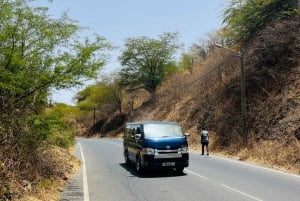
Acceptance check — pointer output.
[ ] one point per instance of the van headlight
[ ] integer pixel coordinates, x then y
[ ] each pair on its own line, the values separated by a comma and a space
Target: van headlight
184, 149
148, 151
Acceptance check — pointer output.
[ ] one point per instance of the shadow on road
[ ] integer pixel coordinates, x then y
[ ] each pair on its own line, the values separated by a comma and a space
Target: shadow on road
151, 173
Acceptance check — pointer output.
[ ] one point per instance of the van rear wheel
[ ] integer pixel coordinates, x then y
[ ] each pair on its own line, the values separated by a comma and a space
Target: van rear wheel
138, 164
126, 157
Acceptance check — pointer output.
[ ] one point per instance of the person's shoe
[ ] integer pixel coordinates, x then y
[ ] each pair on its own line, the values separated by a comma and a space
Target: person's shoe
208, 154
202, 154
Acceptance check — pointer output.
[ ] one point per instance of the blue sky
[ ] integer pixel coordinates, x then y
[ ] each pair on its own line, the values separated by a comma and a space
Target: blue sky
117, 20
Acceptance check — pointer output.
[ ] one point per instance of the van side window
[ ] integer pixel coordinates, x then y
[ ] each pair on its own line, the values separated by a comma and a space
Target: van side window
126, 131
132, 131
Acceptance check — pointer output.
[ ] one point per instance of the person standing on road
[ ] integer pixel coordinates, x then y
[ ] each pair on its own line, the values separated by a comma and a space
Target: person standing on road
204, 140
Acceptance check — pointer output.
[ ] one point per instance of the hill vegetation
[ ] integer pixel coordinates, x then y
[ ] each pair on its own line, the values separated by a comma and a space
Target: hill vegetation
203, 88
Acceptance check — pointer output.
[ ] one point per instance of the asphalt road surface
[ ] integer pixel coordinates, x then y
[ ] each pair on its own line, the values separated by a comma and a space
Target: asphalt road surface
105, 177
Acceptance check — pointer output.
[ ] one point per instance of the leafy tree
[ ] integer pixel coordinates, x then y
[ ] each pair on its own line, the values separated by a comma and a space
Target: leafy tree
83, 94
99, 95
244, 18
54, 126
186, 61
146, 60
38, 53
117, 95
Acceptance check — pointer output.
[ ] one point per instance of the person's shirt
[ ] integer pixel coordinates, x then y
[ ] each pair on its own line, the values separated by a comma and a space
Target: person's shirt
204, 136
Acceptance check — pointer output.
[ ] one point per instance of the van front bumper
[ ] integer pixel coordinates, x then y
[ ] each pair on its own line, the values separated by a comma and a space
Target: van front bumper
148, 161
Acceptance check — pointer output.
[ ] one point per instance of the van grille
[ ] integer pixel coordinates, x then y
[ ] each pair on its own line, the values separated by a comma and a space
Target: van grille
175, 153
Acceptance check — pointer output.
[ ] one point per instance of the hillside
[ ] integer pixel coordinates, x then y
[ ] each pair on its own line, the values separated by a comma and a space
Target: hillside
209, 95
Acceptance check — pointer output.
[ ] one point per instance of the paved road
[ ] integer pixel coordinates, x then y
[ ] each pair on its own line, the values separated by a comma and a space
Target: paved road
105, 177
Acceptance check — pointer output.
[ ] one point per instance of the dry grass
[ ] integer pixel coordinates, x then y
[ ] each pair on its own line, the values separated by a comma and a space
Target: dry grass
272, 154
64, 165
279, 155
283, 156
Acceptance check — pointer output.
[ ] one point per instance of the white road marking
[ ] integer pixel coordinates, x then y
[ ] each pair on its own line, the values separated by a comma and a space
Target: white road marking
84, 177
249, 164
194, 173
228, 187
245, 194
257, 166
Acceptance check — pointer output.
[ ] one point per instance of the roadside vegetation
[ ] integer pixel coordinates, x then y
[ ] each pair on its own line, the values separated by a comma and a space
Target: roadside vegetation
37, 55
201, 88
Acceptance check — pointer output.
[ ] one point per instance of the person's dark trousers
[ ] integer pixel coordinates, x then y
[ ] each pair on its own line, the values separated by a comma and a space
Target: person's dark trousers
205, 144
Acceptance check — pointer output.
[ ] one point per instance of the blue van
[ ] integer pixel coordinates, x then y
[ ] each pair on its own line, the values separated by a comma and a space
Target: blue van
155, 144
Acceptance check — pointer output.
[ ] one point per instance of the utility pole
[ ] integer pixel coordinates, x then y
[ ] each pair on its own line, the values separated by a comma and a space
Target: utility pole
243, 95
94, 116
243, 98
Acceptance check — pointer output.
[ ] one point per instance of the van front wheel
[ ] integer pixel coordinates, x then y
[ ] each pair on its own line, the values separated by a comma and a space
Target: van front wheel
179, 170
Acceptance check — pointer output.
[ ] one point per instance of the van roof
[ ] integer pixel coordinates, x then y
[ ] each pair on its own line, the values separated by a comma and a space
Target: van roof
152, 122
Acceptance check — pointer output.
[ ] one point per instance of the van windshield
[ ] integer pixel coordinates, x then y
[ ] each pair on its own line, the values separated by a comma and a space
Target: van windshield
162, 130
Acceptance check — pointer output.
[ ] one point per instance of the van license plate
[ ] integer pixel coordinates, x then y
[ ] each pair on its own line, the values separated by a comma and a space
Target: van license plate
167, 164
